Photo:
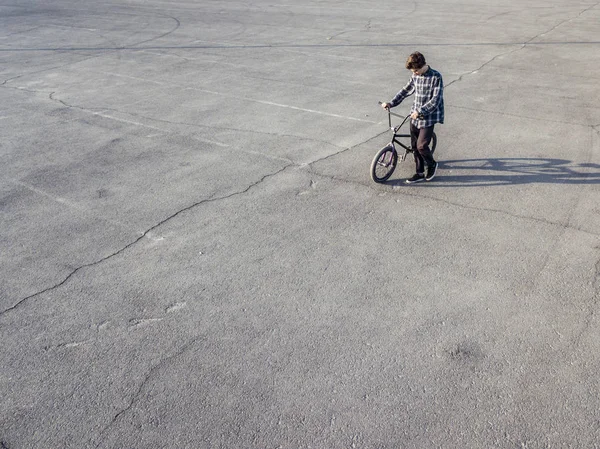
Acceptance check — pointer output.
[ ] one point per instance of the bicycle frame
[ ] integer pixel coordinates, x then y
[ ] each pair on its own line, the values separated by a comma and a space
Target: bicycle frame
395, 137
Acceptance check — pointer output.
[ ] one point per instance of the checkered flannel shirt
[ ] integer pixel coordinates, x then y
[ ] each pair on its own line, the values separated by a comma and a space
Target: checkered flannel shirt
429, 98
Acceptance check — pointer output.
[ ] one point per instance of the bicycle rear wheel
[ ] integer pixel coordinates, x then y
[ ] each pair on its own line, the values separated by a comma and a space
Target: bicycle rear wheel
384, 164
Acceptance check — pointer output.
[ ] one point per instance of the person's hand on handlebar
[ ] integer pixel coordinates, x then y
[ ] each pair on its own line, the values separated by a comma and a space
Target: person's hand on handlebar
415, 115
385, 106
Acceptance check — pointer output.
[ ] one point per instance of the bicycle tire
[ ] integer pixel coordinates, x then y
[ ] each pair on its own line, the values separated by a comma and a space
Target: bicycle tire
433, 142
384, 164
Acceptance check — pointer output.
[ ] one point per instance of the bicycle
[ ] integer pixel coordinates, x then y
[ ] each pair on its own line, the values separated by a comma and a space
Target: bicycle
384, 162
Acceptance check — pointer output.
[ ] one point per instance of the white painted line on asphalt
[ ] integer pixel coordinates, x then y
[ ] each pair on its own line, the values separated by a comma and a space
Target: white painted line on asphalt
131, 122
70, 204
269, 103
213, 142
255, 153
56, 198
313, 111
137, 78
199, 139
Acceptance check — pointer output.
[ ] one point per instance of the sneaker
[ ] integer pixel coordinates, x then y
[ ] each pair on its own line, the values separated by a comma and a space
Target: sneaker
417, 177
431, 171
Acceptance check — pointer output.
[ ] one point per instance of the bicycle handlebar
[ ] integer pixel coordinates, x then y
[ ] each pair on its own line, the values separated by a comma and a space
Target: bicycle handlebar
390, 113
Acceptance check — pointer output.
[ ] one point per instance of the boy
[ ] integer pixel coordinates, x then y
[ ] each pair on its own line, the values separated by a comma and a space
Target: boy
427, 110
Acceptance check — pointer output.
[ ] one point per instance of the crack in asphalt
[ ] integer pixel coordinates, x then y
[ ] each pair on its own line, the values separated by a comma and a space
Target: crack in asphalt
175, 28
563, 22
24, 89
62, 66
521, 117
144, 234
351, 30
3, 83
498, 15
108, 50
187, 208
464, 206
21, 32
138, 392
460, 78
308, 164
521, 46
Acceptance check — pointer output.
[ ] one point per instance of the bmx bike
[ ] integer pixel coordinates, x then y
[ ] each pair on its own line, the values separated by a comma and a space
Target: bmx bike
384, 162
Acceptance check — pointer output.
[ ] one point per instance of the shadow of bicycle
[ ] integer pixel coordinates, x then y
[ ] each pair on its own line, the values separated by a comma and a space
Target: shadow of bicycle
511, 171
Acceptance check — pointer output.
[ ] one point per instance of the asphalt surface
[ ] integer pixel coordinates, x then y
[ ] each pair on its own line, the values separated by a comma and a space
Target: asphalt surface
193, 254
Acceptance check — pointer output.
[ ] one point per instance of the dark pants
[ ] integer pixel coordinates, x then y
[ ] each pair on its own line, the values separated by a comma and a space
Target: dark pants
420, 140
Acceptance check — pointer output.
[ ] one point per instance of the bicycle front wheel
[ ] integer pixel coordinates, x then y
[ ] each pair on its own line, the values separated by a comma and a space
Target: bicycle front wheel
384, 164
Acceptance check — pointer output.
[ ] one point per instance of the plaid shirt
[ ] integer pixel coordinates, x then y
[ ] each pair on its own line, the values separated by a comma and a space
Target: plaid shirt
429, 98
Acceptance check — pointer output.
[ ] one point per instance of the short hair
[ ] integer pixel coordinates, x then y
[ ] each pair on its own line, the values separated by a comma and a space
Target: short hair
415, 61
